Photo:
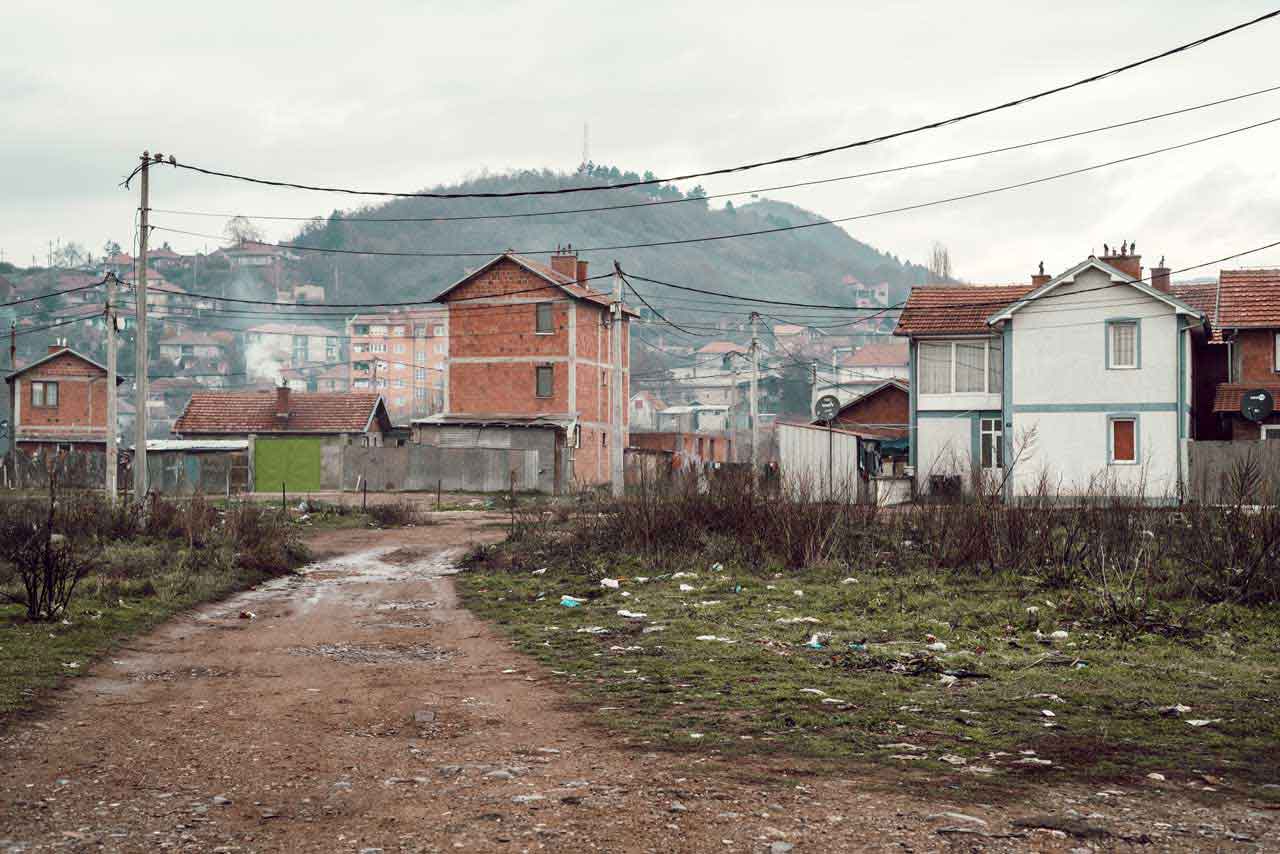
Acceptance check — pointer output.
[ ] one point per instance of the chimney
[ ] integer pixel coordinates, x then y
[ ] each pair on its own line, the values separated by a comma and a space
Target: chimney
1124, 258
57, 348
582, 272
565, 261
1040, 279
1160, 278
282, 404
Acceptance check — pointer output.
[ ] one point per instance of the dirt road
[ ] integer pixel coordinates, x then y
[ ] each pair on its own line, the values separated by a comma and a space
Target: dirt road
361, 710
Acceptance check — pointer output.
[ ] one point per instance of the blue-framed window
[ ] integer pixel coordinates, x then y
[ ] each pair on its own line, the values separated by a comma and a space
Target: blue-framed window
1123, 344
1124, 439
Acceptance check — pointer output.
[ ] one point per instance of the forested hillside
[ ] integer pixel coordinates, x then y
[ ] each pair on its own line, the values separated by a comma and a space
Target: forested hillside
808, 264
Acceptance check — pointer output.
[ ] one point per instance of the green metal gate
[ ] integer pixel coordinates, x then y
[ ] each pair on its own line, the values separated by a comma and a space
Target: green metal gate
292, 462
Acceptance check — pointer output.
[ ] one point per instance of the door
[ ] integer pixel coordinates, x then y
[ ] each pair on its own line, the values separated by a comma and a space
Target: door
991, 446
295, 463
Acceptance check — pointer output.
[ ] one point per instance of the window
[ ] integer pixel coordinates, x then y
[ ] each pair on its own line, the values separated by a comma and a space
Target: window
995, 366
1271, 432
331, 349
399, 383
419, 373
359, 383
975, 366
299, 349
44, 394
399, 346
419, 331
934, 368
971, 366
1275, 352
544, 380
378, 329
360, 347
1122, 344
420, 357
378, 347
438, 331
440, 347
545, 325
992, 448
397, 331
360, 329
1124, 439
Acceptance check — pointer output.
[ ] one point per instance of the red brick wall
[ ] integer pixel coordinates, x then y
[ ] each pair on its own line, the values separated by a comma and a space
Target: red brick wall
82, 396
890, 406
715, 446
506, 388
1257, 354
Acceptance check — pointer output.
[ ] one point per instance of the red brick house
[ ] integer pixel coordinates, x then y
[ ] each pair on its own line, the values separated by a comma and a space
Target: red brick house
530, 345
1243, 354
60, 403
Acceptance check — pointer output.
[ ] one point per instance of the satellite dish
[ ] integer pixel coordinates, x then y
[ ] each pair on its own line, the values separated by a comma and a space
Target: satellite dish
827, 407
1257, 405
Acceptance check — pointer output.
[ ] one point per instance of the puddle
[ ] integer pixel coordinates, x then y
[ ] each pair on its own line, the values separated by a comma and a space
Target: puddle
375, 653
409, 605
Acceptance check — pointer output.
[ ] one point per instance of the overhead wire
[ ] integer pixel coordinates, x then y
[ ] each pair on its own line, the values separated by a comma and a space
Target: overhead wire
777, 229
753, 191
792, 158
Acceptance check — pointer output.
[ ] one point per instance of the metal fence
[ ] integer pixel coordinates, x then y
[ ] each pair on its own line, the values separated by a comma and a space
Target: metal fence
1226, 472
428, 467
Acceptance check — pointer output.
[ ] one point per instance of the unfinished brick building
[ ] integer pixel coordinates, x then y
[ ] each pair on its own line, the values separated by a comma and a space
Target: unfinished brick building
60, 403
530, 347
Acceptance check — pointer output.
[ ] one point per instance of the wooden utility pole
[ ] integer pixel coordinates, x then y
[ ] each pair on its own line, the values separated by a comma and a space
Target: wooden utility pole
140, 339
755, 401
112, 416
617, 402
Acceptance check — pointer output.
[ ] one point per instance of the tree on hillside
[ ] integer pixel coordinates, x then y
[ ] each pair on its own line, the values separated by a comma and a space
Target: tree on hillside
939, 263
240, 229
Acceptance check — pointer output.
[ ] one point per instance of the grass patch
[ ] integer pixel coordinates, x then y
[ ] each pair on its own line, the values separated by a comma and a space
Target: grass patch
875, 692
144, 567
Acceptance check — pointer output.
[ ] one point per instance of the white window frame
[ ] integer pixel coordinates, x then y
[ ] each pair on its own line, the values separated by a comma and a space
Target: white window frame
987, 344
1111, 439
1268, 428
996, 432
1275, 352
1112, 325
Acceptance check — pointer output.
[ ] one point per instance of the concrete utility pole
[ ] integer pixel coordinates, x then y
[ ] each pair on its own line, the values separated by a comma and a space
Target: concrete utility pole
140, 340
617, 402
112, 416
755, 399
13, 402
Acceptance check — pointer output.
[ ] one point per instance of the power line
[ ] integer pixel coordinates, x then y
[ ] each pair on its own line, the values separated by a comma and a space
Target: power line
53, 294
1025, 99
754, 191
777, 230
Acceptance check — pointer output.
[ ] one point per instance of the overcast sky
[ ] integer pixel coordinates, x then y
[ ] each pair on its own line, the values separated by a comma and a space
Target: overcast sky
406, 95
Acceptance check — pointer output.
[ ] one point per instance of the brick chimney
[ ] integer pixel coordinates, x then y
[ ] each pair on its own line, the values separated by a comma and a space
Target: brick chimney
582, 271
1124, 258
1160, 278
282, 404
1040, 279
56, 348
565, 262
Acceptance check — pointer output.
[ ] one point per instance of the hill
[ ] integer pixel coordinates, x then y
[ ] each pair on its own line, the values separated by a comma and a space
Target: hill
806, 265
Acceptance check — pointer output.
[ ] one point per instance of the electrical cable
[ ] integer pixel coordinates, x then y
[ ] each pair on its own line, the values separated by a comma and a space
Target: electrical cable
1025, 99
777, 230
755, 191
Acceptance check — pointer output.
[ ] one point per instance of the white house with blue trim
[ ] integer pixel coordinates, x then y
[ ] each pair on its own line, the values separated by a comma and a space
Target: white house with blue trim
1081, 379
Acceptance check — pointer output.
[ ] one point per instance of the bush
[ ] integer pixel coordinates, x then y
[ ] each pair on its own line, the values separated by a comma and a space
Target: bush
263, 539
395, 514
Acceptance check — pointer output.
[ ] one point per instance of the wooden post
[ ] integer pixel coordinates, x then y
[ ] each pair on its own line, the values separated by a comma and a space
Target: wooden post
284, 502
439, 489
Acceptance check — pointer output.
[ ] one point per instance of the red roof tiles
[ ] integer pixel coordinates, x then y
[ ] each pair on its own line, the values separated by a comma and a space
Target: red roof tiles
1248, 298
881, 353
1228, 396
955, 309
255, 412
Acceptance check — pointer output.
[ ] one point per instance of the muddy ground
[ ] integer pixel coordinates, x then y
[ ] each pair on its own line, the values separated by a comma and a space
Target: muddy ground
360, 709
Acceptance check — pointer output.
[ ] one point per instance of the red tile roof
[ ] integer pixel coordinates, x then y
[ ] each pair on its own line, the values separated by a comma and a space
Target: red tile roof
955, 309
1228, 396
880, 353
567, 283
255, 412
1248, 298
720, 347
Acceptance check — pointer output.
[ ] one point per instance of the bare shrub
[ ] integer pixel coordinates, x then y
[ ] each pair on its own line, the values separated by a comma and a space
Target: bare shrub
47, 564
